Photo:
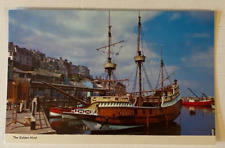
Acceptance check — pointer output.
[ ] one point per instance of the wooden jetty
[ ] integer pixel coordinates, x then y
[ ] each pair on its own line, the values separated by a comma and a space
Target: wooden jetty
19, 125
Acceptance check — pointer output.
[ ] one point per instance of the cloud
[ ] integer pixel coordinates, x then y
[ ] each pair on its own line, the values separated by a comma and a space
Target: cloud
202, 15
183, 59
175, 16
202, 59
75, 35
170, 69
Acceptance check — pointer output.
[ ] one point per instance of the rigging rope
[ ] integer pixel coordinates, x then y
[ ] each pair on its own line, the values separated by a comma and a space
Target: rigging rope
114, 76
142, 44
167, 75
149, 83
145, 53
135, 78
105, 82
151, 71
157, 84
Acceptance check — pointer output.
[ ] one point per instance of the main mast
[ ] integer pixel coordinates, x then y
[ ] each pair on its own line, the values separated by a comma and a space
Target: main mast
139, 59
109, 67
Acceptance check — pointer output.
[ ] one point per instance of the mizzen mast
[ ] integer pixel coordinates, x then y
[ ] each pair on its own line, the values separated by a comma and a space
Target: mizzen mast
139, 59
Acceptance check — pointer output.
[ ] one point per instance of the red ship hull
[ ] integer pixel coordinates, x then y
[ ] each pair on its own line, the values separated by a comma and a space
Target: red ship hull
198, 103
138, 115
132, 115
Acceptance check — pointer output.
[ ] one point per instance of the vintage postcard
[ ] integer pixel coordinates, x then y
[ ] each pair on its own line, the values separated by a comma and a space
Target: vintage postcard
110, 72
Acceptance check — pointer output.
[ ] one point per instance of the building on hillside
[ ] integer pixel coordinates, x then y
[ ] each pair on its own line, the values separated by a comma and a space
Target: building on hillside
38, 60
51, 60
61, 68
51, 64
38, 55
84, 71
43, 65
20, 57
12, 52
74, 70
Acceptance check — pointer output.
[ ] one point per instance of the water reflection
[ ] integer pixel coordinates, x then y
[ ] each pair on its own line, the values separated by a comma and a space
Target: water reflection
196, 120
192, 121
172, 128
67, 126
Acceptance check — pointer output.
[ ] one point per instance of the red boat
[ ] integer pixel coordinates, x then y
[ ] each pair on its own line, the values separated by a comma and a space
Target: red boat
192, 102
198, 101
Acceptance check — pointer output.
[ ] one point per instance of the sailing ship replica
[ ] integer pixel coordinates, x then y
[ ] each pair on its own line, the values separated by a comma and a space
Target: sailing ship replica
121, 112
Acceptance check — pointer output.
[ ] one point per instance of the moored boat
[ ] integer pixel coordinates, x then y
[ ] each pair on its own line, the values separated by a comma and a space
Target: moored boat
194, 102
197, 101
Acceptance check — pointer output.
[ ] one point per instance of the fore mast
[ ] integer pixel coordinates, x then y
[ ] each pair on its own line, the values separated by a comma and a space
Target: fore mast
139, 59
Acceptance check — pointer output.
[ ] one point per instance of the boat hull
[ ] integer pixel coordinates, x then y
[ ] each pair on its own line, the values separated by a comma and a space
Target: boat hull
132, 116
138, 115
198, 103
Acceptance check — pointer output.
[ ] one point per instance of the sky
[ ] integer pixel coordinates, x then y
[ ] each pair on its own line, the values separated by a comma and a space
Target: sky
186, 37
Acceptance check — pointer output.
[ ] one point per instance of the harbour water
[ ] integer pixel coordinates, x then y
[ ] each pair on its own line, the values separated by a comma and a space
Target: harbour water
192, 121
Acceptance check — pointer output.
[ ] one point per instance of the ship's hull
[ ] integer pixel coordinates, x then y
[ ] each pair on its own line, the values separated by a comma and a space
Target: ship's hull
198, 103
135, 115
124, 117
